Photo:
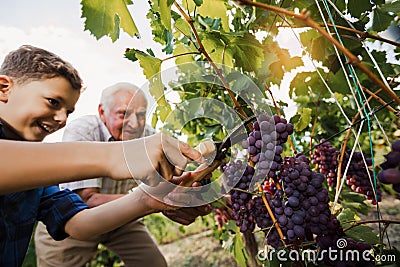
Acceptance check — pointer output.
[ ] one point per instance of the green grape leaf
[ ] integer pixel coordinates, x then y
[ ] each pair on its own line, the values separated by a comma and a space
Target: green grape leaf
217, 49
149, 64
163, 111
165, 12
246, 51
364, 233
151, 69
358, 7
299, 84
239, 251
180, 51
347, 215
305, 119
379, 2
337, 82
183, 27
381, 20
341, 5
319, 48
131, 54
394, 7
156, 89
105, 18
215, 9
198, 2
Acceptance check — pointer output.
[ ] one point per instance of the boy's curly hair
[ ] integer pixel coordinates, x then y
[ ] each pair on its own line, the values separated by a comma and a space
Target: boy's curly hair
33, 63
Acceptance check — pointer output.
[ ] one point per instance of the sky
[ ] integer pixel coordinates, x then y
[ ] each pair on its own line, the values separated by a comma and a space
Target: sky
57, 26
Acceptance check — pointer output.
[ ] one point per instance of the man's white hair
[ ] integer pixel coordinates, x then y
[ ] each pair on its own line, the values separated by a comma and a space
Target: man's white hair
107, 95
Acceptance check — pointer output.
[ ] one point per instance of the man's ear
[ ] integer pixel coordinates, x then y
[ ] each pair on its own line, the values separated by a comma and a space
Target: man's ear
6, 84
101, 112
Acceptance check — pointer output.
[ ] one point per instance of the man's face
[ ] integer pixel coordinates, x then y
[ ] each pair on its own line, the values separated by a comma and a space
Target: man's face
125, 118
35, 109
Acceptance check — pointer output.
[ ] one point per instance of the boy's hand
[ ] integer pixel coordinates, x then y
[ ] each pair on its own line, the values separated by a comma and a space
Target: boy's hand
155, 158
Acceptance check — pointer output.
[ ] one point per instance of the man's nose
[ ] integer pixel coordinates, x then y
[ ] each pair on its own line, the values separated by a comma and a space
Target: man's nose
132, 121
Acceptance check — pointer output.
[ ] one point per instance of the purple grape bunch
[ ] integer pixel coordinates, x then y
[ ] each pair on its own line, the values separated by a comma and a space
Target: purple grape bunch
390, 173
265, 144
358, 177
325, 157
239, 176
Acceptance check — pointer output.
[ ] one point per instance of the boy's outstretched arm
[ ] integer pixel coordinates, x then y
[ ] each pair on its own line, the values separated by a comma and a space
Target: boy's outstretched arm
26, 165
104, 218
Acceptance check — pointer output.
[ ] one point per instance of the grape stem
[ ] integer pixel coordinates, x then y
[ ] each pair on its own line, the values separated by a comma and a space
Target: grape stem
271, 214
244, 191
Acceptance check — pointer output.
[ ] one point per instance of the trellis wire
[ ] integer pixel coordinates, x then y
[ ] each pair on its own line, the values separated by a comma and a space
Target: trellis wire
372, 59
336, 50
362, 98
369, 54
347, 167
364, 108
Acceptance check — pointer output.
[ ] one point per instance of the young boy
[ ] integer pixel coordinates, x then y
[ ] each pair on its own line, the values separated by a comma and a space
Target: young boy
38, 91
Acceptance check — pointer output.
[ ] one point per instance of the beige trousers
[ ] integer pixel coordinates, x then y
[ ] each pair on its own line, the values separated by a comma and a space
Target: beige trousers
131, 242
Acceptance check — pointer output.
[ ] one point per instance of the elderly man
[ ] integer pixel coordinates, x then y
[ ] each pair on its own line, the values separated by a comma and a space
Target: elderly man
121, 116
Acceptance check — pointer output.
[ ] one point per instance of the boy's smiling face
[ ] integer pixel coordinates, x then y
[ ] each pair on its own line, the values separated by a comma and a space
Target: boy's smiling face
35, 109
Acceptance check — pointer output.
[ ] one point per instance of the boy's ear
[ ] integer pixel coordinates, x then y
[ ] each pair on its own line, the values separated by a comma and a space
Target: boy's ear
5, 87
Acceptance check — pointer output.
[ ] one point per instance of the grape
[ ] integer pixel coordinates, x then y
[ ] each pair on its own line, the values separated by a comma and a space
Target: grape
282, 221
392, 160
293, 201
390, 173
396, 146
390, 176
325, 156
299, 231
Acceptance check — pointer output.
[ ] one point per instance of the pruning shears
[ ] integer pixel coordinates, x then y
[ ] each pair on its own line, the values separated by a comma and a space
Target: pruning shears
214, 153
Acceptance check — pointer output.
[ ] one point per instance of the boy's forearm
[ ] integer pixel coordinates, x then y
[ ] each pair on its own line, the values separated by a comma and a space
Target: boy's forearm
107, 217
27, 165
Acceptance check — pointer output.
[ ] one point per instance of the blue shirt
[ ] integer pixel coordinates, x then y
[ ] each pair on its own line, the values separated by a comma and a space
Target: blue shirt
20, 211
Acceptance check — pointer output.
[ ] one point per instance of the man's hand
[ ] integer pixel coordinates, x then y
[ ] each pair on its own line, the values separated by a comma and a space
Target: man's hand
187, 215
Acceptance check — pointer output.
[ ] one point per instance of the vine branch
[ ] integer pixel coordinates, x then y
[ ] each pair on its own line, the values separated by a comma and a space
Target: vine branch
183, 54
271, 214
363, 34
